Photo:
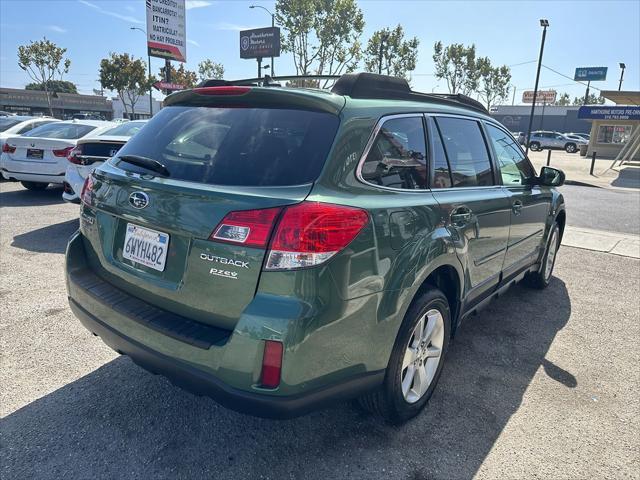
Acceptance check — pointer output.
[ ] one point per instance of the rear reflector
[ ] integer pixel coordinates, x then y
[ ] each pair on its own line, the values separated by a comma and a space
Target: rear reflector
63, 152
310, 233
247, 227
271, 364
6, 148
230, 90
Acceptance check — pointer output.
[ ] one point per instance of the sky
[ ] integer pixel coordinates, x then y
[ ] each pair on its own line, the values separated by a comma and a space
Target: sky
581, 34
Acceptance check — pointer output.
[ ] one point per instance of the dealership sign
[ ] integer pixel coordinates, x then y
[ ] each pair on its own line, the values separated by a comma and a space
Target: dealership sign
168, 86
166, 29
260, 43
543, 96
589, 74
618, 112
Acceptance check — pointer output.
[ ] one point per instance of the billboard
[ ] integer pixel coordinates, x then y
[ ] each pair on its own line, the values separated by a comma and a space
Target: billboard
166, 29
617, 112
543, 96
588, 74
260, 43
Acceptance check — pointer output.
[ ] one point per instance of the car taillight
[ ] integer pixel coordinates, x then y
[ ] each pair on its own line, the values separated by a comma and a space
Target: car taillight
87, 191
73, 155
62, 152
271, 364
247, 227
225, 90
310, 233
6, 148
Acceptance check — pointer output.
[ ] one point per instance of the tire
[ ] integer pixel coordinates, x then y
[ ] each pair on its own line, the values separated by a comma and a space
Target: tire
570, 148
542, 277
393, 402
34, 186
535, 146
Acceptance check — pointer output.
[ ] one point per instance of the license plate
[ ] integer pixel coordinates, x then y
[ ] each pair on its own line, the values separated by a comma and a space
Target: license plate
35, 153
145, 246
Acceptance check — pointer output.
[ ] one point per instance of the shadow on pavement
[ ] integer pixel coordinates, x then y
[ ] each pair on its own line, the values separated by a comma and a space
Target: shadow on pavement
120, 421
27, 198
628, 177
51, 239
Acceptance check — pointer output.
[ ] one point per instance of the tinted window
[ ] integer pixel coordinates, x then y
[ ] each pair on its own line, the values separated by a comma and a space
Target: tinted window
398, 155
8, 122
236, 146
127, 129
69, 131
441, 177
514, 167
466, 152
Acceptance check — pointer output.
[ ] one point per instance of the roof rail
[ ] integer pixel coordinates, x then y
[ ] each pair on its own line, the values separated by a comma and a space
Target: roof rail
362, 85
373, 85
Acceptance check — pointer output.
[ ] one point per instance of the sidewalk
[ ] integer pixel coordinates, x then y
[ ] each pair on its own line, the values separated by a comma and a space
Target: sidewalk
621, 244
576, 169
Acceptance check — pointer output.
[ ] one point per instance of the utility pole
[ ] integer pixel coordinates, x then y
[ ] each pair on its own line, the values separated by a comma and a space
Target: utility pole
622, 67
586, 95
544, 23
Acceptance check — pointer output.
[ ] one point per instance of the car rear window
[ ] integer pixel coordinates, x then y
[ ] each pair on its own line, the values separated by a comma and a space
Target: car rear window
67, 131
6, 123
236, 146
127, 129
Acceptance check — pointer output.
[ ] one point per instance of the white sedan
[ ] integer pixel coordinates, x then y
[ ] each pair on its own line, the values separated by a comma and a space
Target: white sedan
39, 157
92, 151
14, 125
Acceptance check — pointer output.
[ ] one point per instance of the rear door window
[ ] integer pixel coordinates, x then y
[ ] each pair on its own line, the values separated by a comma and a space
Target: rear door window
466, 151
67, 131
236, 146
398, 155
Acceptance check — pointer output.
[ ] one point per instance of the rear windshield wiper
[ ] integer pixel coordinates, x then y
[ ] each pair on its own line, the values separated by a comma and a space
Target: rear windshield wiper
148, 163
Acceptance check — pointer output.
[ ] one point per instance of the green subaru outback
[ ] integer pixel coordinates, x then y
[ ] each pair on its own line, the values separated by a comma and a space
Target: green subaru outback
279, 249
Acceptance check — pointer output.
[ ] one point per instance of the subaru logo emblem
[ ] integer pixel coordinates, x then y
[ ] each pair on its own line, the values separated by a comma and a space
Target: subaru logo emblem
139, 199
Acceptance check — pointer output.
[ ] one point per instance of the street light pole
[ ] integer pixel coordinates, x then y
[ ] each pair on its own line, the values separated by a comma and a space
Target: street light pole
149, 62
273, 24
622, 67
544, 23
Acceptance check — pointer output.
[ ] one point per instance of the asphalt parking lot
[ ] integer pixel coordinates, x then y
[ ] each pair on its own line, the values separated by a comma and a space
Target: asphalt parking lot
539, 385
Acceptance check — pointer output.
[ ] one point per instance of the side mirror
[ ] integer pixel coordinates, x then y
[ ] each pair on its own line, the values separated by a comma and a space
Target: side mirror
551, 177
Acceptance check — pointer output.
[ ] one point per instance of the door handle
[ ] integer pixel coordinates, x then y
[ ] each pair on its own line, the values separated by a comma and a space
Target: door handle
517, 207
461, 216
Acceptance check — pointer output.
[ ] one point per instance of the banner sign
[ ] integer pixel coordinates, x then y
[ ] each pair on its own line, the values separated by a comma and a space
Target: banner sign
618, 112
168, 86
543, 96
166, 29
589, 74
260, 43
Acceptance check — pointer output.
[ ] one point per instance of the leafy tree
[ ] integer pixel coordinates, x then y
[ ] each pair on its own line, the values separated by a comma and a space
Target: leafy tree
181, 76
59, 86
493, 82
43, 61
322, 35
389, 53
592, 99
127, 76
457, 65
563, 100
209, 69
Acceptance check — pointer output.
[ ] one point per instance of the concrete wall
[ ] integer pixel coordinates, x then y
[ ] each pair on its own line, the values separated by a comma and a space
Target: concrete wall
608, 150
141, 108
561, 119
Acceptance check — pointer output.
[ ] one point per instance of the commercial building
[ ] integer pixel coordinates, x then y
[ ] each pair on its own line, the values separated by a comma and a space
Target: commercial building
34, 102
140, 110
546, 117
615, 130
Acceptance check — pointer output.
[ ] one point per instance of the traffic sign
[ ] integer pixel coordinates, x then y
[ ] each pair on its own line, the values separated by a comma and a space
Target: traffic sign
590, 74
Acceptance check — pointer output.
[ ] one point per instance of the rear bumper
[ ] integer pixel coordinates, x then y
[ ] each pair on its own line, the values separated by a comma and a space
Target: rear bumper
32, 177
201, 383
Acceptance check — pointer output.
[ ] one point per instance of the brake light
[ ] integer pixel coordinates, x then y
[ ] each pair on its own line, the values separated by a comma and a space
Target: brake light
87, 191
230, 90
73, 155
310, 233
248, 227
6, 148
62, 152
271, 364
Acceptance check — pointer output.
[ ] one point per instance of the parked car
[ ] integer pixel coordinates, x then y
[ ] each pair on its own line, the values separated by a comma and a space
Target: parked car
91, 151
520, 137
279, 249
14, 125
584, 136
39, 157
554, 140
